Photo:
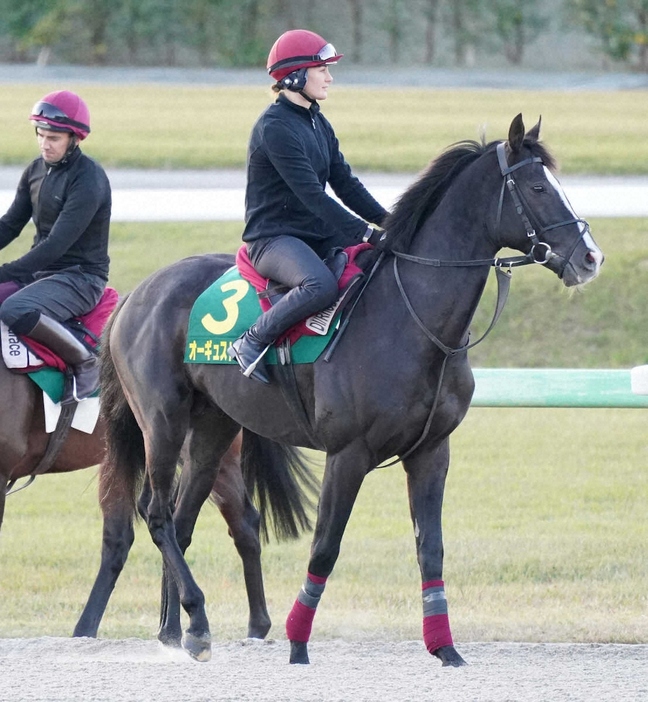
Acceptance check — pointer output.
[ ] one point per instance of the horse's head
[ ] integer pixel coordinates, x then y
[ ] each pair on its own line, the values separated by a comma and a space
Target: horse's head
534, 215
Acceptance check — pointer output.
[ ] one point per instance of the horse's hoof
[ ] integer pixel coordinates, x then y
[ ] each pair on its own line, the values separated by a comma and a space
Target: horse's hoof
299, 652
258, 631
449, 657
198, 647
170, 640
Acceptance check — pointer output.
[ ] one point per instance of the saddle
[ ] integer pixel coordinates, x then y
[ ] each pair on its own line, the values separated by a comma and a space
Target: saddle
24, 355
234, 302
341, 262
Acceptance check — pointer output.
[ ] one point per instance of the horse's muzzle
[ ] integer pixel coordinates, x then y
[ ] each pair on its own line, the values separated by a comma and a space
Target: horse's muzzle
582, 266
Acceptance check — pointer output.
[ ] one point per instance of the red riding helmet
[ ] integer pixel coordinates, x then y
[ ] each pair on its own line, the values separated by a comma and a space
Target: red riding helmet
62, 111
299, 48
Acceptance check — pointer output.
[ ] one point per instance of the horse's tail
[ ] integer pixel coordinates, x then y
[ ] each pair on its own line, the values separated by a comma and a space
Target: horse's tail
122, 470
281, 483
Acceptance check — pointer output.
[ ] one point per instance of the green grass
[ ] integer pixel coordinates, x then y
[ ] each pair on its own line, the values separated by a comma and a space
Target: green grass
544, 518
544, 527
161, 126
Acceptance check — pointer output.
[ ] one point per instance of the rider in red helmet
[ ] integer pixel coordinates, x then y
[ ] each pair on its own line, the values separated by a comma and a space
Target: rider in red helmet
63, 275
291, 221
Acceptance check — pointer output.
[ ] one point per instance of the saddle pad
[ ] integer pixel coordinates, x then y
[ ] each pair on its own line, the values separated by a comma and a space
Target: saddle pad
230, 306
16, 355
51, 382
224, 312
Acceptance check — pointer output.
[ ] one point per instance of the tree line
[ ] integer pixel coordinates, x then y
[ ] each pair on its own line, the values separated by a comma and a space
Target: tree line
238, 33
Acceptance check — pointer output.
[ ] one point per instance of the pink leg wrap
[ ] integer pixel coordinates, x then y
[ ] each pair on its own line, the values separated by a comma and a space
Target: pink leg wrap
436, 625
300, 619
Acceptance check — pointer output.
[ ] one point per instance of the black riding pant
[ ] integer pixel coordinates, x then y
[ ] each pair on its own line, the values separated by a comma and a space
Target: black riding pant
291, 262
60, 296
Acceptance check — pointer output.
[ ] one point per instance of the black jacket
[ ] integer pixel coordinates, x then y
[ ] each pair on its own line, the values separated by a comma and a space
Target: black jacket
70, 204
292, 155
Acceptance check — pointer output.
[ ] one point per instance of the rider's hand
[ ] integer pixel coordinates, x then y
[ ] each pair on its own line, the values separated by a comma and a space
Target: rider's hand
375, 237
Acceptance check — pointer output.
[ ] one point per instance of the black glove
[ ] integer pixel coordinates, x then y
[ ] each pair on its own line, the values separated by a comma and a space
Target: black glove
375, 237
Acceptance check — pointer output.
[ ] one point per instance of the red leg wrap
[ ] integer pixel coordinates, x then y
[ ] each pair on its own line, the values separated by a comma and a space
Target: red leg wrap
300, 619
300, 622
436, 625
436, 632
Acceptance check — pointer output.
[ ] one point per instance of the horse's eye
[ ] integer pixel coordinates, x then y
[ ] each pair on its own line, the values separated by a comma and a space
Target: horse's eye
539, 188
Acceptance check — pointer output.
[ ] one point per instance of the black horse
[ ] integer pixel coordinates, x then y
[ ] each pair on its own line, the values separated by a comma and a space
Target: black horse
397, 385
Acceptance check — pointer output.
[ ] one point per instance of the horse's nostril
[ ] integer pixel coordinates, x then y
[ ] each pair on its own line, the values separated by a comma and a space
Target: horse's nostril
595, 258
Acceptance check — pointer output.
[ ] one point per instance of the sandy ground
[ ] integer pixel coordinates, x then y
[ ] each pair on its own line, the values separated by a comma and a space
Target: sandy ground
71, 670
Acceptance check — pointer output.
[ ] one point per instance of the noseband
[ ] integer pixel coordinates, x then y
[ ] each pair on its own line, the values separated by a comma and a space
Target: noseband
540, 250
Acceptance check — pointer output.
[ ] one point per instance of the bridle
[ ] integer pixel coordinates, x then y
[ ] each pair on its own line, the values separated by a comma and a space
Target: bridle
523, 210
539, 253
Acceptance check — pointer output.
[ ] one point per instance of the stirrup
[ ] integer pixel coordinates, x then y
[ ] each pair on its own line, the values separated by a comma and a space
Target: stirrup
253, 366
256, 368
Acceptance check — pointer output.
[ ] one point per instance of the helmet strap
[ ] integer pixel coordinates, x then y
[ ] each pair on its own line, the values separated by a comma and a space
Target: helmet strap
307, 97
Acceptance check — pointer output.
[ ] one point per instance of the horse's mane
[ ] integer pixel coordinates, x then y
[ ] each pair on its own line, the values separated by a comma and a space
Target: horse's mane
418, 202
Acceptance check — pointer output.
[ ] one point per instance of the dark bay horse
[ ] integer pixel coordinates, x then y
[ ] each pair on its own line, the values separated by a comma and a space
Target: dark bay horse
397, 385
23, 442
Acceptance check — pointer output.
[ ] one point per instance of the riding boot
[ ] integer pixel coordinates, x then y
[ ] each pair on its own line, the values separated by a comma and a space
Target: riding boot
248, 350
83, 362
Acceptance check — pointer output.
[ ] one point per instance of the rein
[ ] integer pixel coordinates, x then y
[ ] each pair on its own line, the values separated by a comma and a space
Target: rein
502, 267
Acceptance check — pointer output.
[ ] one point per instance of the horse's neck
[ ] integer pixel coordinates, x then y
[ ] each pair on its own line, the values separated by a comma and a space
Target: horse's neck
447, 296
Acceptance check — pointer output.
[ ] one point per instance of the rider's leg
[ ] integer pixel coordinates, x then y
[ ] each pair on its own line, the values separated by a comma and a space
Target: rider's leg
83, 362
313, 287
37, 311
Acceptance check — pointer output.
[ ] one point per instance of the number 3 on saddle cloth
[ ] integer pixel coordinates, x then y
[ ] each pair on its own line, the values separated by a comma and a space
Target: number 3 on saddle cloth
234, 301
23, 355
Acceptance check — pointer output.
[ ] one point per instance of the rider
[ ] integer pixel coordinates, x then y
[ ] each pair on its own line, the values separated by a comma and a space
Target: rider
291, 221
63, 275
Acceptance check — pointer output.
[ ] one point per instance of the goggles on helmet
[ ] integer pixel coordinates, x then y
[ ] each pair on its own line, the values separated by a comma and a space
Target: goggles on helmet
49, 111
324, 55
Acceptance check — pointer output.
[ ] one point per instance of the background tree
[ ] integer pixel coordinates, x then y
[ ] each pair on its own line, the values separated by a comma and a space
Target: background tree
431, 17
619, 27
357, 21
513, 25
240, 32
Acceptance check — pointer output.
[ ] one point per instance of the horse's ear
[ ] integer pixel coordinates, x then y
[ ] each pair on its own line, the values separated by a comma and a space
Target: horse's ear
534, 132
516, 134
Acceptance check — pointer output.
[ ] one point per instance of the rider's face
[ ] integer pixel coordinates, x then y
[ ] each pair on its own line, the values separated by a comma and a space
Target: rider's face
52, 145
319, 79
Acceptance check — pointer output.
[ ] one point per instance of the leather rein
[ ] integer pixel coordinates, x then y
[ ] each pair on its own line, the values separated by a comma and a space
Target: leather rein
539, 253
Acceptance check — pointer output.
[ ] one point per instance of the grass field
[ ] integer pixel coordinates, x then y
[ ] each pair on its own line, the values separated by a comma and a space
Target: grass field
544, 525
379, 129
544, 515
543, 324
544, 520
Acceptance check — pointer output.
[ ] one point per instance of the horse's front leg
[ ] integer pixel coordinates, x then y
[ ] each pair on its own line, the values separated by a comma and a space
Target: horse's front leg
343, 477
426, 474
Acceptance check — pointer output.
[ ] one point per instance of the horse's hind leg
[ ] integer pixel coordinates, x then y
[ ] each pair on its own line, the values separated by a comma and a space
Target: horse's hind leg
118, 536
243, 521
162, 452
202, 454
426, 474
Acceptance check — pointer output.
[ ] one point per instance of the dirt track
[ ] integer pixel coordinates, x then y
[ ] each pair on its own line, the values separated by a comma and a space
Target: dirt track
133, 670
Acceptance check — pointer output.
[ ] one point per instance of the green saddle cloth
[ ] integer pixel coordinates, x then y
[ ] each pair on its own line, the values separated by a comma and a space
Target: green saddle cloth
225, 311
51, 381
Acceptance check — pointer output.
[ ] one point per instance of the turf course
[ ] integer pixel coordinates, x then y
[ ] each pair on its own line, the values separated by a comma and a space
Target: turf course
544, 516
